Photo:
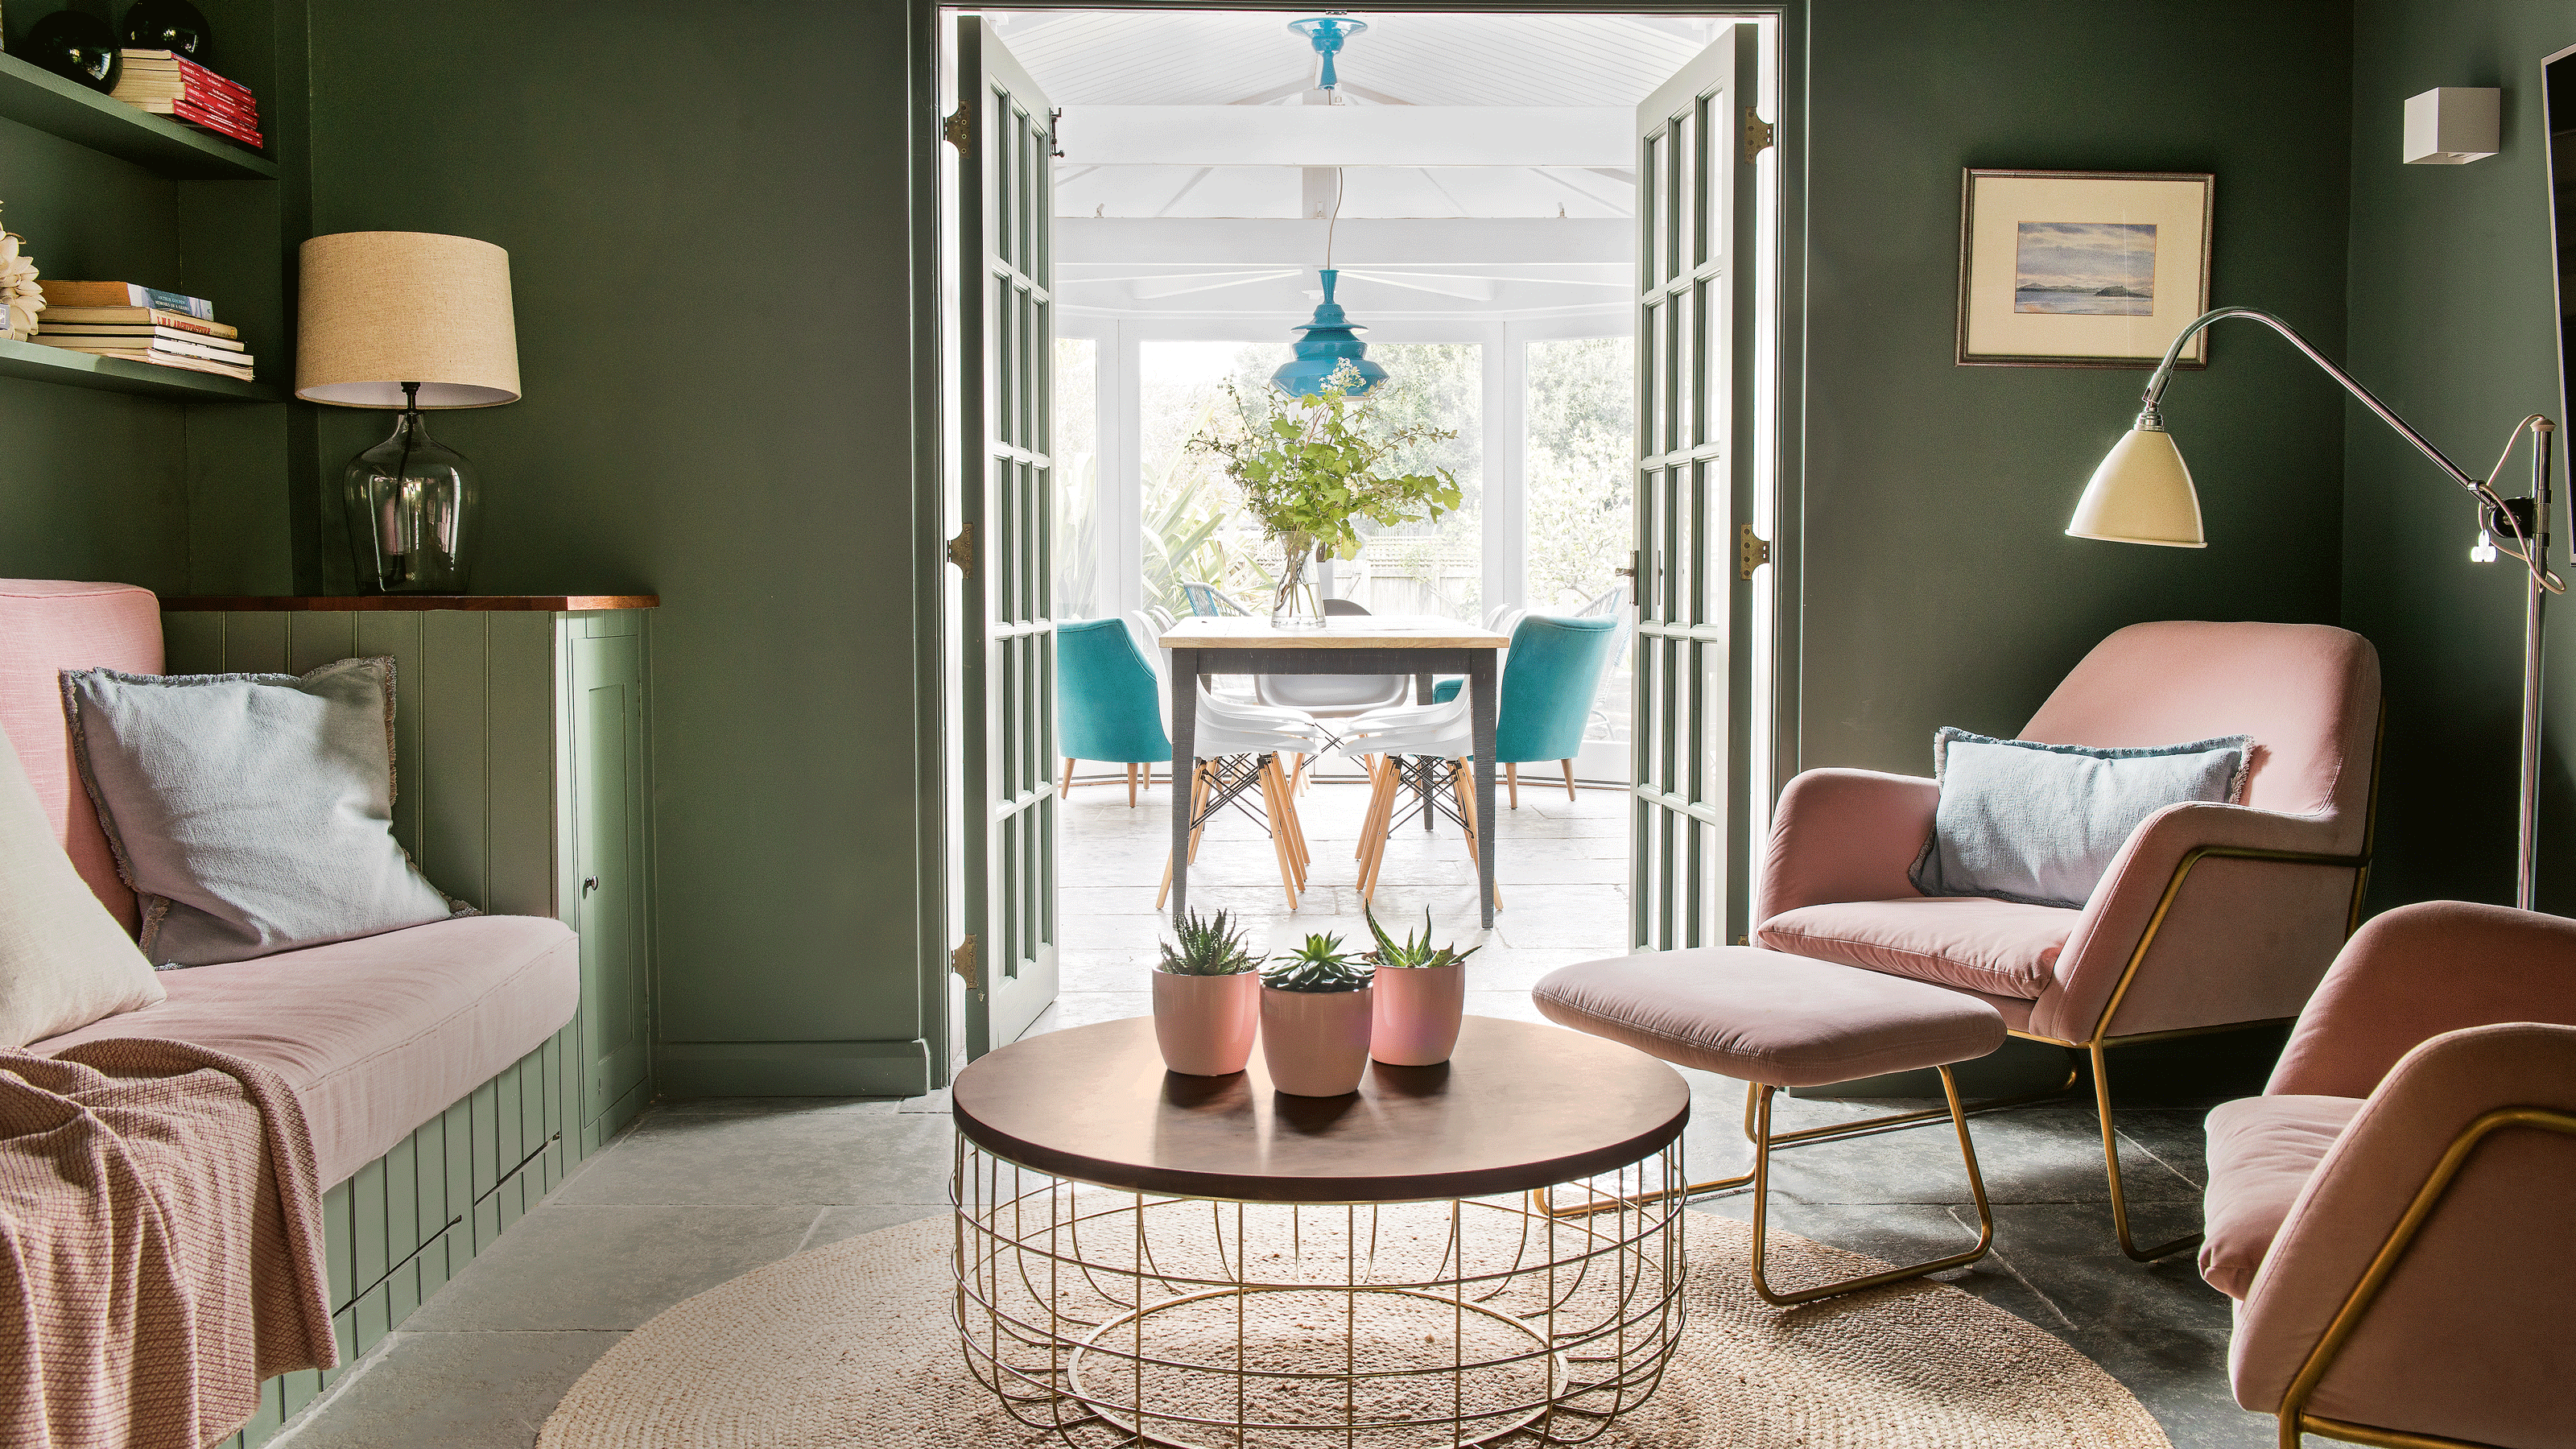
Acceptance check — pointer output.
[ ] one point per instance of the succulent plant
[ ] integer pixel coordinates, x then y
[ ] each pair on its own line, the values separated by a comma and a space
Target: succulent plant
1319, 965
1207, 948
1413, 951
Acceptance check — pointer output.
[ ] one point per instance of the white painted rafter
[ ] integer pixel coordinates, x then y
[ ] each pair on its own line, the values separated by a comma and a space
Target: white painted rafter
1448, 136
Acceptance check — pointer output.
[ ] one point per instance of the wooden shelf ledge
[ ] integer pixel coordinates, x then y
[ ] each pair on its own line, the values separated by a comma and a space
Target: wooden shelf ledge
414, 604
39, 363
48, 103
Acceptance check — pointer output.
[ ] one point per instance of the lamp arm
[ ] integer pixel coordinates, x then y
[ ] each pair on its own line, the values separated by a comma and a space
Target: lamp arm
2152, 420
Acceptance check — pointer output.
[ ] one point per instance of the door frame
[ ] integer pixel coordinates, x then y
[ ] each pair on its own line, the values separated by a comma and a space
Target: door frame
932, 465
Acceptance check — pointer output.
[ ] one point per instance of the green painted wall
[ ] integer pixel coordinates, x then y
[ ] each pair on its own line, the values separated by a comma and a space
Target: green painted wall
2451, 324
1940, 588
704, 208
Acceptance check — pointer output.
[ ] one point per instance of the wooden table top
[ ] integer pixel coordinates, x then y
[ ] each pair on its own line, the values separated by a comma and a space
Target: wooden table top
1520, 1106
1340, 631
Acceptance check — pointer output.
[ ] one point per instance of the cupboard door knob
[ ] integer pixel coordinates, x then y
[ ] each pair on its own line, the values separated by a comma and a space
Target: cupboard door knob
590, 885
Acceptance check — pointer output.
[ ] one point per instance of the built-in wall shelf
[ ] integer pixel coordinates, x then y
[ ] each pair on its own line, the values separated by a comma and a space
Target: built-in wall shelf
87, 369
415, 604
49, 103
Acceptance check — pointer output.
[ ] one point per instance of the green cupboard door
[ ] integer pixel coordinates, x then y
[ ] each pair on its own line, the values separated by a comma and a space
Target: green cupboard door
1688, 882
607, 724
1006, 394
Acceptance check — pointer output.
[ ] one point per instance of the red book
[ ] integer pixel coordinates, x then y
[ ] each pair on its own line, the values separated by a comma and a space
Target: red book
198, 75
219, 106
221, 125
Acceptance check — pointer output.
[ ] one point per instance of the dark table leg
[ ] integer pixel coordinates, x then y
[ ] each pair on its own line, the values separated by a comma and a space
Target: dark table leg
1184, 732
1480, 708
1423, 684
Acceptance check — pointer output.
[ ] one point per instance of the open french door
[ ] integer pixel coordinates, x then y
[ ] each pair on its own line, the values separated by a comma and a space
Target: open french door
1006, 404
1697, 139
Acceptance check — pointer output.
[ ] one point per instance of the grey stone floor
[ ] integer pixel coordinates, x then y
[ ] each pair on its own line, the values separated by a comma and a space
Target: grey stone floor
698, 1192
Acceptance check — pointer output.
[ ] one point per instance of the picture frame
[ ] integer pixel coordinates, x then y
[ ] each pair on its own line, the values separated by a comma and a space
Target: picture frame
2082, 268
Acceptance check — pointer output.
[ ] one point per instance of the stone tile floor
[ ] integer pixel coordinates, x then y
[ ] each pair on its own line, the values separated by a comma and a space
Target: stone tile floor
698, 1192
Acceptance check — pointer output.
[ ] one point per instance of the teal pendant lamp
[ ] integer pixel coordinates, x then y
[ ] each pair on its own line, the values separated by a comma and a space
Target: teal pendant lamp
1329, 341
1332, 338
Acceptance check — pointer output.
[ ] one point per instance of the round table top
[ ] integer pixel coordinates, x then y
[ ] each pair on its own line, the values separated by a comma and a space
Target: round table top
1519, 1106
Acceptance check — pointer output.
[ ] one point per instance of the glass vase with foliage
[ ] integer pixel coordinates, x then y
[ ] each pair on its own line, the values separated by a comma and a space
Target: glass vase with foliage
1313, 467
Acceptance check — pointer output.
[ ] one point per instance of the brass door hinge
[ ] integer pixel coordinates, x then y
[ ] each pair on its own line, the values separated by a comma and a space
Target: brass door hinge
962, 961
1752, 552
1758, 135
1636, 591
961, 549
959, 128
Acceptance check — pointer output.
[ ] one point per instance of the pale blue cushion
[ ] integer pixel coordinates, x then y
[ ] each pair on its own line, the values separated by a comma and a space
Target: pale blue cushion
252, 813
2039, 824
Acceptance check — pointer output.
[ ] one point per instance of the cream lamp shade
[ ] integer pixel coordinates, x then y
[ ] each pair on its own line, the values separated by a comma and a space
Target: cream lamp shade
2142, 493
382, 308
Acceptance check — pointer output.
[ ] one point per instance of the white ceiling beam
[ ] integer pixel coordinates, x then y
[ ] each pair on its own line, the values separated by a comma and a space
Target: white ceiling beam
1347, 136
1149, 289
1146, 241
1472, 289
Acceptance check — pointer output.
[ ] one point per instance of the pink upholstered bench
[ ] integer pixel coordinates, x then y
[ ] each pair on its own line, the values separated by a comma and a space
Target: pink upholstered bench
377, 1036
1772, 1021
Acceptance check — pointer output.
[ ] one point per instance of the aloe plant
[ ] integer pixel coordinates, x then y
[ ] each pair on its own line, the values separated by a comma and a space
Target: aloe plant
1207, 948
1319, 966
1413, 952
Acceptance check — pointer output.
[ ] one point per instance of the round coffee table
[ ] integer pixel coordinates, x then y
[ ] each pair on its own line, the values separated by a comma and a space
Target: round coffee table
1205, 1262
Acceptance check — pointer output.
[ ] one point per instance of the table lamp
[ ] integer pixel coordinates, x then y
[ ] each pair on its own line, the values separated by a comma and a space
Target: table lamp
415, 321
2143, 493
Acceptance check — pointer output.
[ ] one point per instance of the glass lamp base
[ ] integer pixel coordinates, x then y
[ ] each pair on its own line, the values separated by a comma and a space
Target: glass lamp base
410, 508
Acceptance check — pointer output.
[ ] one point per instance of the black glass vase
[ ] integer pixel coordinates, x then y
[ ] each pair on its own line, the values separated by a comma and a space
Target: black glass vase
76, 47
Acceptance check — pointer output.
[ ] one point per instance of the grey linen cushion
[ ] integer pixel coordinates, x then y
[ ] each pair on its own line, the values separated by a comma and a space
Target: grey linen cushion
253, 813
2039, 824
64, 961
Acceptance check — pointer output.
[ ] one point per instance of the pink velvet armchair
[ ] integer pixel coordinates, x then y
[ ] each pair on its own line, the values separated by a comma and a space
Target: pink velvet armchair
2392, 1213
2213, 917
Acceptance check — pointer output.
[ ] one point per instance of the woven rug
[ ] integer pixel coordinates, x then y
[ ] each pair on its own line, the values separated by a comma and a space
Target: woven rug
855, 1344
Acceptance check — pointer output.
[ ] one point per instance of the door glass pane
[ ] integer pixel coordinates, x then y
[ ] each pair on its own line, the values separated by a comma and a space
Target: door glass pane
1077, 478
1580, 423
1195, 532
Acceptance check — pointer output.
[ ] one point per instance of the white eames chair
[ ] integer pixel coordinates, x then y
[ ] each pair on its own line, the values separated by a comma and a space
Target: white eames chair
1406, 747
1237, 749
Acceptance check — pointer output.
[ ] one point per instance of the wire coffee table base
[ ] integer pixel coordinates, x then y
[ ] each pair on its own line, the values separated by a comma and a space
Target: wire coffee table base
1115, 1317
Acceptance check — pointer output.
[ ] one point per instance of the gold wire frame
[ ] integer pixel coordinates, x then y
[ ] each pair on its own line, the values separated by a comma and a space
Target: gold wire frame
2295, 1419
1116, 1317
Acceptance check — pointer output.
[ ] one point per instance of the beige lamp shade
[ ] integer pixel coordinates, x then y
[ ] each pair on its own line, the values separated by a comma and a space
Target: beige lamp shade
2142, 493
382, 308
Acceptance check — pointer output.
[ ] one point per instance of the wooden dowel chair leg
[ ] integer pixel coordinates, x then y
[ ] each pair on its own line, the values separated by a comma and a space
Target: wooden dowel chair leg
1569, 780
1512, 777
1131, 786
1068, 778
1276, 812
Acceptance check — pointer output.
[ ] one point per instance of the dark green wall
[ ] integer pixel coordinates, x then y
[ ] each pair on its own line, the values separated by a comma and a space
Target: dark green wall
1940, 588
2451, 323
704, 208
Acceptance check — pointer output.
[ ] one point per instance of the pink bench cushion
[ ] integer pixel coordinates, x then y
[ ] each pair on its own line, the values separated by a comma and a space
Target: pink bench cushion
47, 626
376, 1036
1999, 948
2262, 1151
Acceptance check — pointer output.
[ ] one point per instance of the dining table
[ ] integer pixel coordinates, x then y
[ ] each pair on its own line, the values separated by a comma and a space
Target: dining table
1420, 645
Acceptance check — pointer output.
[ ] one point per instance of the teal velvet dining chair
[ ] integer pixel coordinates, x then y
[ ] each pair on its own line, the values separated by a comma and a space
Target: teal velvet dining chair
1107, 705
1549, 680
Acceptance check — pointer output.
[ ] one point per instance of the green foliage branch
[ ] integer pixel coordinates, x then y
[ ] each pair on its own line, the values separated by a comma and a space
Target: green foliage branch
1312, 467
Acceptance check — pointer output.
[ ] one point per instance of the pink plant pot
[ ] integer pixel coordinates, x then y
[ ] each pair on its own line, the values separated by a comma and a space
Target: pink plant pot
1418, 1011
1204, 1024
1316, 1043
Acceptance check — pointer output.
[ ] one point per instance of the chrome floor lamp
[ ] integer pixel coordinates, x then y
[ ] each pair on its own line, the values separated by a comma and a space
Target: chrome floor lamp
2142, 493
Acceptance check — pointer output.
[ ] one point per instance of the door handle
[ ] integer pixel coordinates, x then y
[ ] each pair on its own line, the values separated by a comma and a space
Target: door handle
590, 885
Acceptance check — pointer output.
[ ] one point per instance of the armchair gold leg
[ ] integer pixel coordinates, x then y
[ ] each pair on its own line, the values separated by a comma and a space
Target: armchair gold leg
2111, 1165
1762, 1196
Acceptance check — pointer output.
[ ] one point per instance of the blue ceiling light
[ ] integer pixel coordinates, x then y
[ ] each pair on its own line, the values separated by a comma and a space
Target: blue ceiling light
1326, 33
1332, 338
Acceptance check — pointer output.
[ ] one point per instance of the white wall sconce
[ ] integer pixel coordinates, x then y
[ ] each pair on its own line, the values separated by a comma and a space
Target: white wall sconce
2451, 126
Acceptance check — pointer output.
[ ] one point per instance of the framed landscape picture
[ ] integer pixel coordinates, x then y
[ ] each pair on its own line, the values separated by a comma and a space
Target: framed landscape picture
2082, 268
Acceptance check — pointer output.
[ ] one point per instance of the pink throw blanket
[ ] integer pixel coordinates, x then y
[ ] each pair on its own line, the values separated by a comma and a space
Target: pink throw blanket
160, 1244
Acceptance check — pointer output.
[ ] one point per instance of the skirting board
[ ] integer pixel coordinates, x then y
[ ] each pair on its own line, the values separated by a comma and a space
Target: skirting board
684, 1069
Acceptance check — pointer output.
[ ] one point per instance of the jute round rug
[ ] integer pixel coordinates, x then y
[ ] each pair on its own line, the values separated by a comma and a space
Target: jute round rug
855, 1344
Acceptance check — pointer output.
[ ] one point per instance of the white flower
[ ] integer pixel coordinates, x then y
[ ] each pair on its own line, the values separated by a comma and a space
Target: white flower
20, 294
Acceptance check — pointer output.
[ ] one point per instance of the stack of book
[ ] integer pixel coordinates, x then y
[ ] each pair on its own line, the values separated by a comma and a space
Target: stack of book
167, 83
120, 319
